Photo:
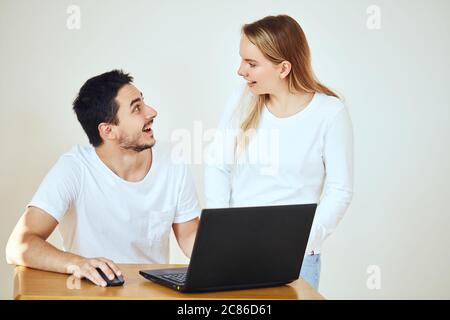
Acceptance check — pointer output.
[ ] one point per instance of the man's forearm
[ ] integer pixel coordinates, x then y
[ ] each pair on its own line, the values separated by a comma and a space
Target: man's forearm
32, 251
187, 244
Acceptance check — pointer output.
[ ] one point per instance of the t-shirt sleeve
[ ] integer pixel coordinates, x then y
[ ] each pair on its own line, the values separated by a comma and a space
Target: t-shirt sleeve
59, 189
187, 207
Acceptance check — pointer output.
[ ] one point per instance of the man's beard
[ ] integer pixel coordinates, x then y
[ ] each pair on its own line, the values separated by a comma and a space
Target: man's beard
132, 144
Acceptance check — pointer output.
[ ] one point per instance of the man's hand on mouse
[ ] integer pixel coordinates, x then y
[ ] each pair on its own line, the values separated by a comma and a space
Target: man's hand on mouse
86, 268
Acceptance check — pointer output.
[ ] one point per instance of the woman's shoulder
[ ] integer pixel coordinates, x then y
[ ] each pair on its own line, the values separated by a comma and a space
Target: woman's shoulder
329, 105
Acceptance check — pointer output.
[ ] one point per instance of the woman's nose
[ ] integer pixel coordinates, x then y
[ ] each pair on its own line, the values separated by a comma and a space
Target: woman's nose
241, 71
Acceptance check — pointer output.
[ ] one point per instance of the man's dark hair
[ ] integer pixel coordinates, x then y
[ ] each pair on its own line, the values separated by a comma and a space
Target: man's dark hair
96, 102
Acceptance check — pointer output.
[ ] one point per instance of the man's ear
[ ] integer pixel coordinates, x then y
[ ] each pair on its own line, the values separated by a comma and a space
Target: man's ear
106, 131
285, 69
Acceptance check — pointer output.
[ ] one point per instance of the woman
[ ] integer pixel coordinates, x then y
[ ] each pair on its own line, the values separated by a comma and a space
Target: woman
289, 138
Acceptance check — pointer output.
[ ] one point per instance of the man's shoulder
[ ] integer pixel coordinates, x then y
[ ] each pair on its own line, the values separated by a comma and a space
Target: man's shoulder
77, 157
78, 150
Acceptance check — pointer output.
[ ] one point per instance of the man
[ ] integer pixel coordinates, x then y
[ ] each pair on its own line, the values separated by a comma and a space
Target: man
118, 198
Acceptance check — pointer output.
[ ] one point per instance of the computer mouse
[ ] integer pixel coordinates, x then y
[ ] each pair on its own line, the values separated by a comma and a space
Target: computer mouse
117, 281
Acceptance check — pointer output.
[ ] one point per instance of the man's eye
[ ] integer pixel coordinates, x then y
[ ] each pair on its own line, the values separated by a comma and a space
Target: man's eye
137, 108
252, 65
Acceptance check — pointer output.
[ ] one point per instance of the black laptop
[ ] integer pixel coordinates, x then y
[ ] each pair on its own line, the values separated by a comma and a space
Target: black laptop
240, 248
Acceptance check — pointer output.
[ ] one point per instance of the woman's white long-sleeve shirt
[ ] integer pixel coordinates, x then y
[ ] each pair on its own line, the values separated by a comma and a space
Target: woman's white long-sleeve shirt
304, 158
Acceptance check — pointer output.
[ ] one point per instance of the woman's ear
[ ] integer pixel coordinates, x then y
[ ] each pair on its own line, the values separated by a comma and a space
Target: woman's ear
285, 69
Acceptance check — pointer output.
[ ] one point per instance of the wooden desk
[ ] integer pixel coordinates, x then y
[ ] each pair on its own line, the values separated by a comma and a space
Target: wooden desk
36, 284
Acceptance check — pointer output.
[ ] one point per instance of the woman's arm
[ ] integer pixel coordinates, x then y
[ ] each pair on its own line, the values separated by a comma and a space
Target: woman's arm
338, 189
220, 157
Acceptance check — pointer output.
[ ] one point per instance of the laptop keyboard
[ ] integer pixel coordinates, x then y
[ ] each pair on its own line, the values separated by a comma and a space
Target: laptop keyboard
177, 277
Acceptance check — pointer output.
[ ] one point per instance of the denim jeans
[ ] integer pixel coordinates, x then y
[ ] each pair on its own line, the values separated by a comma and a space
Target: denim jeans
310, 271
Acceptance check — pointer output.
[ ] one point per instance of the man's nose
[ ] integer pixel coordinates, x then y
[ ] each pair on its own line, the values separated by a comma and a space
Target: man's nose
151, 112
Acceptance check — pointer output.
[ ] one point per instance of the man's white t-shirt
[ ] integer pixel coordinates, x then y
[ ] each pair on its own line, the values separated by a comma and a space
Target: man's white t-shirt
102, 215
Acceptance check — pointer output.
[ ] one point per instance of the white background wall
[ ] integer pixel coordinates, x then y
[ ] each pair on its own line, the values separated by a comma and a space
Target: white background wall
184, 57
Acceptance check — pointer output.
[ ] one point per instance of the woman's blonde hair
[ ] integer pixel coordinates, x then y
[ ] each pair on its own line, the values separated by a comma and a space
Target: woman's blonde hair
279, 38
